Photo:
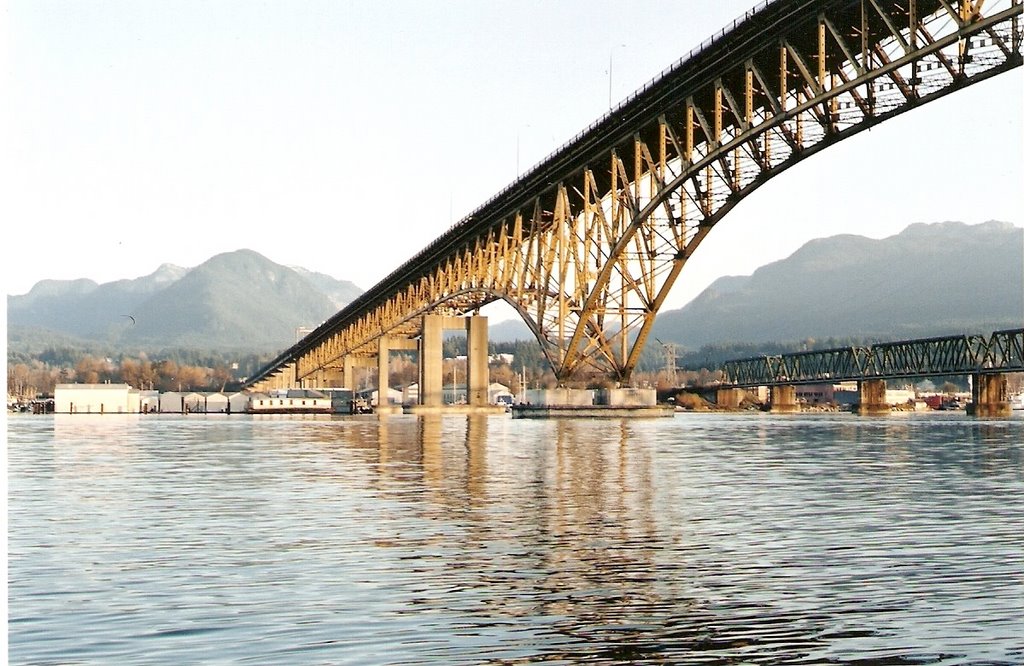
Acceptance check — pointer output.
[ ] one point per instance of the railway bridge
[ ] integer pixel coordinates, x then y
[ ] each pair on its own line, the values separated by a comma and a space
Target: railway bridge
587, 244
987, 360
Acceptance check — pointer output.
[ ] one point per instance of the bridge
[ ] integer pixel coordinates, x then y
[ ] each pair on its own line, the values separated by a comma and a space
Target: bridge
587, 245
986, 359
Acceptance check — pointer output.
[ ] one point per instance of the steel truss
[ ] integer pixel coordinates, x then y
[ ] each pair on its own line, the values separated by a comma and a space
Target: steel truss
587, 245
1001, 352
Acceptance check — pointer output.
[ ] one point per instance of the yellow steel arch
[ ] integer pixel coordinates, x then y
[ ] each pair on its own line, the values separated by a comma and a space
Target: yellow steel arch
589, 255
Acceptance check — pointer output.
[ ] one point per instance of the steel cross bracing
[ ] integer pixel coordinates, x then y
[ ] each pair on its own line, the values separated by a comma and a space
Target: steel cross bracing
587, 245
1001, 352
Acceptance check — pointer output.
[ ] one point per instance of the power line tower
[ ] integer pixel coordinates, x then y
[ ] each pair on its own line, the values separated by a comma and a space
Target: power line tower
669, 349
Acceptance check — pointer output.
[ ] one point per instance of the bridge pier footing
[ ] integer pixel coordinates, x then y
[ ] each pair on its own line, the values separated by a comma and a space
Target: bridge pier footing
989, 396
782, 399
872, 397
730, 398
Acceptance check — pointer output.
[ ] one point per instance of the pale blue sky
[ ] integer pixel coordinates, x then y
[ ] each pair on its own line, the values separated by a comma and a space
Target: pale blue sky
344, 136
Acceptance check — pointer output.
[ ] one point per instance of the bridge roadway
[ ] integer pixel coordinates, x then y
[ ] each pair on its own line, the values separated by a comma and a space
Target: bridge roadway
986, 360
587, 244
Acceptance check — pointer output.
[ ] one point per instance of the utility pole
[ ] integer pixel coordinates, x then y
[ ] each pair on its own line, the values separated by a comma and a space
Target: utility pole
670, 361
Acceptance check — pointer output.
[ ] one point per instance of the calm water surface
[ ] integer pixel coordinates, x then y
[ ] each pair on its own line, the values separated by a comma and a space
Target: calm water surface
703, 539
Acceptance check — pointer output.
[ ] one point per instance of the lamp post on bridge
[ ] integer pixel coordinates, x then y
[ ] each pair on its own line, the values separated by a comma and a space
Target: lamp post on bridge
611, 51
518, 132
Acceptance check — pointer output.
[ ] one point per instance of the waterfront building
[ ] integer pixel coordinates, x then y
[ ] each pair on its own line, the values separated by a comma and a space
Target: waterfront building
499, 394
216, 403
194, 402
149, 401
238, 402
95, 399
172, 402
290, 401
392, 397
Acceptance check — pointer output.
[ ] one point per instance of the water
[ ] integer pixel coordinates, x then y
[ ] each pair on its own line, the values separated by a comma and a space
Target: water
703, 539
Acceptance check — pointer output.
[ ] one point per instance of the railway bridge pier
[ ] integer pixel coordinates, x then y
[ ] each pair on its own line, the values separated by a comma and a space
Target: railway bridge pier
989, 396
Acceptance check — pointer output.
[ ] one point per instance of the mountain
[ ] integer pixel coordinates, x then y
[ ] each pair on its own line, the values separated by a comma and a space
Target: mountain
82, 307
236, 300
509, 331
341, 292
929, 280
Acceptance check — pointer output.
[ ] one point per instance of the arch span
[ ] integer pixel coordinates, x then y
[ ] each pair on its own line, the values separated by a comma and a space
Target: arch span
587, 245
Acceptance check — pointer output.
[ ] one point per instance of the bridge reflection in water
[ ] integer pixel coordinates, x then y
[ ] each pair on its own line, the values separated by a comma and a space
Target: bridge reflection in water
718, 538
588, 243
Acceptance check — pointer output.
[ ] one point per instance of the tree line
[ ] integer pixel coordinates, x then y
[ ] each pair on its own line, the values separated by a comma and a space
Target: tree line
28, 378
660, 366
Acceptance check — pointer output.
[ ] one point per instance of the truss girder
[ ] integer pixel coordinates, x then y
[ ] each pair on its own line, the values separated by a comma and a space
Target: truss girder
1003, 351
587, 245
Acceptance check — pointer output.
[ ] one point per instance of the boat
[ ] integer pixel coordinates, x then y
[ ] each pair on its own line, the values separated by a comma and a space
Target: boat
1017, 401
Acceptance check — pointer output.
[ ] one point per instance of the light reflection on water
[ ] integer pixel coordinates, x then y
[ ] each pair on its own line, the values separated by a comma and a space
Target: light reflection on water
699, 539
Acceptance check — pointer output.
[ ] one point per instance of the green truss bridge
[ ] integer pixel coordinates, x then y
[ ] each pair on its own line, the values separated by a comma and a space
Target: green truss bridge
986, 359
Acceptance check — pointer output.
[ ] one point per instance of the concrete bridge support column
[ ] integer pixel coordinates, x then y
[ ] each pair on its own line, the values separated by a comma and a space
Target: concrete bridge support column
478, 375
351, 365
384, 345
348, 372
989, 396
872, 397
782, 399
314, 380
729, 398
333, 378
431, 357
383, 369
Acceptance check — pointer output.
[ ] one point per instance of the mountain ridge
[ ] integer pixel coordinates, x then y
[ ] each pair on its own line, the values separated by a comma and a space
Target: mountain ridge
212, 305
927, 280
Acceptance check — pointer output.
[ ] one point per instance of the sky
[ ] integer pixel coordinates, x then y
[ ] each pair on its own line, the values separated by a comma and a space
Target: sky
344, 136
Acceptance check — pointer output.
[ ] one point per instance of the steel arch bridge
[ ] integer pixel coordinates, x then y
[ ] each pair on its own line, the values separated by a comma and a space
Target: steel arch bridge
587, 245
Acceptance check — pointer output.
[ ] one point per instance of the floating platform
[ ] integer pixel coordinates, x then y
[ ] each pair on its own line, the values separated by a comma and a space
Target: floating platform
590, 411
455, 409
588, 404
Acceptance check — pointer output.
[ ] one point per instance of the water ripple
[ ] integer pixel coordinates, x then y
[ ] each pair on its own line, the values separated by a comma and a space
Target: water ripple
465, 540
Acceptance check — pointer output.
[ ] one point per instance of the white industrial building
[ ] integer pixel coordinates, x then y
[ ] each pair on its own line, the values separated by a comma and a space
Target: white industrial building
95, 399
123, 399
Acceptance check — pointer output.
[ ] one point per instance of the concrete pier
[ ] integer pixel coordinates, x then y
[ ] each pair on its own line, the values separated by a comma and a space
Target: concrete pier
782, 399
431, 357
431, 388
872, 397
477, 369
989, 396
730, 398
